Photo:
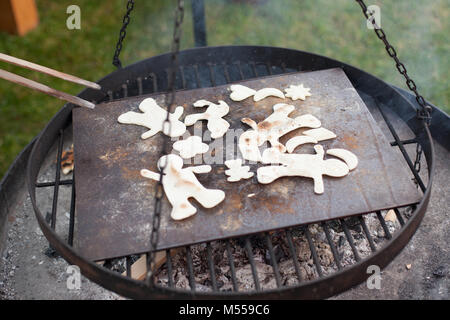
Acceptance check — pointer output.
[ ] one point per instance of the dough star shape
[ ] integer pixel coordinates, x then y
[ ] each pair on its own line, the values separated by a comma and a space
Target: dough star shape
297, 92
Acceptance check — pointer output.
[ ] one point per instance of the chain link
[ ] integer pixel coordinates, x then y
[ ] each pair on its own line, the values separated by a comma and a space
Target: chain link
169, 101
424, 112
123, 32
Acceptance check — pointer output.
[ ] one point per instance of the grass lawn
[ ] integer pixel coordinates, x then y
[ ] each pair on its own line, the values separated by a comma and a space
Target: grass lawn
418, 30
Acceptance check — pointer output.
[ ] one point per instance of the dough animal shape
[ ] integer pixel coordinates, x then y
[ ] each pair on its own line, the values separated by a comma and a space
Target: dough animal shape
271, 129
297, 92
237, 171
153, 117
297, 141
213, 115
240, 92
349, 157
304, 165
180, 184
190, 147
320, 134
267, 92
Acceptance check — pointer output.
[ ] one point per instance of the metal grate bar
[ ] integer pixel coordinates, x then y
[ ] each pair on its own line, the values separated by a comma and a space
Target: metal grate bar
241, 73
383, 225
190, 268
57, 178
139, 85
293, 251
169, 268
399, 217
211, 266
197, 76
402, 149
183, 78
313, 250
125, 90
331, 243
350, 239
409, 141
273, 260
225, 72
211, 75
128, 266
231, 263
51, 184
269, 68
72, 214
254, 68
248, 247
154, 82
367, 233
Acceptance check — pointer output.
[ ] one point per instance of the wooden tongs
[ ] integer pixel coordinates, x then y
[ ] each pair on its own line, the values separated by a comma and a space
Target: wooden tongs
43, 88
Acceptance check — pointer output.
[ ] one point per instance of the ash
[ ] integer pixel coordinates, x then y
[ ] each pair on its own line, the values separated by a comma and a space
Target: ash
307, 269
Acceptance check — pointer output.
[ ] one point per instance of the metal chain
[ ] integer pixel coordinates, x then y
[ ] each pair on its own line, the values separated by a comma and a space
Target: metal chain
169, 101
123, 32
424, 113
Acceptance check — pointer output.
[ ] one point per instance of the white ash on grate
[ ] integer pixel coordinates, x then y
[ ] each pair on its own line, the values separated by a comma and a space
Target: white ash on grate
283, 257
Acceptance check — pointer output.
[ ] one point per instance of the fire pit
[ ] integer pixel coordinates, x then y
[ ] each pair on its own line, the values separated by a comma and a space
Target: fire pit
310, 261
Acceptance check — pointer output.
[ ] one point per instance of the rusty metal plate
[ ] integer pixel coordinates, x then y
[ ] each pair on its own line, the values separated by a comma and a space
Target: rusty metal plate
114, 204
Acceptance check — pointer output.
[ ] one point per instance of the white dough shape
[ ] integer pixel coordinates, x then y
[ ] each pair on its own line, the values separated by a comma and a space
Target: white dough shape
267, 92
303, 165
320, 134
240, 92
237, 171
190, 147
297, 92
153, 117
297, 141
213, 115
349, 157
271, 129
180, 184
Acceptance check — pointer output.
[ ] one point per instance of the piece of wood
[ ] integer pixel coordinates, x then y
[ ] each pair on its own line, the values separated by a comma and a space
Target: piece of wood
139, 268
51, 72
45, 89
18, 16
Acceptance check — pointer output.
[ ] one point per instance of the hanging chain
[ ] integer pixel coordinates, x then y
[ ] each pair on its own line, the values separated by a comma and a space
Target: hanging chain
169, 101
424, 112
122, 34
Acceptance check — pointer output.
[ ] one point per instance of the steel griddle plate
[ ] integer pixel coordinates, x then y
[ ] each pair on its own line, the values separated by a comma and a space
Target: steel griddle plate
114, 204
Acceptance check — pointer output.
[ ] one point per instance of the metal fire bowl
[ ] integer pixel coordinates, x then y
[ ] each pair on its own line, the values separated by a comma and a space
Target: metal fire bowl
249, 61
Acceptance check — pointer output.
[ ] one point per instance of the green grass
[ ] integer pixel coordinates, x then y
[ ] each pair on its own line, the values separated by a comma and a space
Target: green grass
418, 30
